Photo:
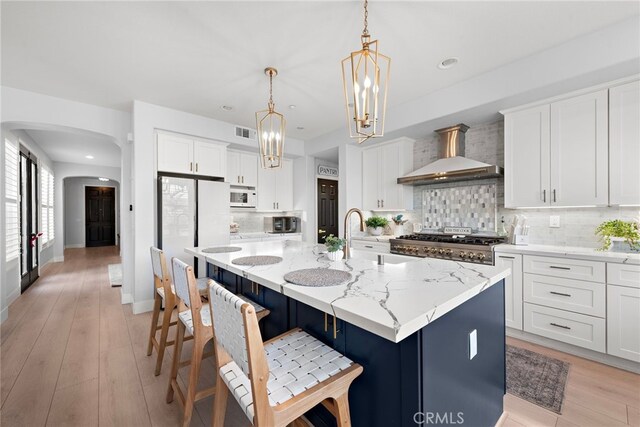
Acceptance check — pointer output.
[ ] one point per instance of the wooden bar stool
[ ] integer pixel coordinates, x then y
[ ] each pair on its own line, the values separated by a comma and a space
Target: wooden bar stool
274, 382
194, 318
164, 293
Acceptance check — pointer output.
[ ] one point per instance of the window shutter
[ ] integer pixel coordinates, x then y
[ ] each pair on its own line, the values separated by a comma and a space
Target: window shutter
11, 200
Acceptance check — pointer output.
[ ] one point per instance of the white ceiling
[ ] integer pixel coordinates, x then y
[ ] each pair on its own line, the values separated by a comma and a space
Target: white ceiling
70, 147
198, 56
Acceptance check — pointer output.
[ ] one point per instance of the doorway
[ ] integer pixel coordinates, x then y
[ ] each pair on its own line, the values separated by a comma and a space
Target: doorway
100, 216
28, 175
327, 208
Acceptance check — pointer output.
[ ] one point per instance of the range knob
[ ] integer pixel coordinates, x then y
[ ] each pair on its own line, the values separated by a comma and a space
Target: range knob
425, 250
462, 254
472, 255
448, 252
441, 251
432, 250
481, 257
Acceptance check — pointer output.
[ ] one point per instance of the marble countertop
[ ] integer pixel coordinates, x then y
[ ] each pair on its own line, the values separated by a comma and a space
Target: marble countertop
571, 252
392, 300
368, 238
259, 235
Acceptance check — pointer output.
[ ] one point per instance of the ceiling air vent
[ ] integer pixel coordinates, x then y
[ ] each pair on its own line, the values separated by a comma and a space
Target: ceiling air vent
245, 133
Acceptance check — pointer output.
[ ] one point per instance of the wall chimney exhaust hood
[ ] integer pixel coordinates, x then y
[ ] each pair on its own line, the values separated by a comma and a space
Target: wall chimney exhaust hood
451, 166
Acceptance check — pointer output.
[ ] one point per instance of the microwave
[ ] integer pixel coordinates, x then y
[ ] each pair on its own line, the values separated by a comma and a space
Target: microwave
281, 224
242, 198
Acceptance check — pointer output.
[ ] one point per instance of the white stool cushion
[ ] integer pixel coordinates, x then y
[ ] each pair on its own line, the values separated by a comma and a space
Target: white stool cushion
205, 313
296, 361
202, 283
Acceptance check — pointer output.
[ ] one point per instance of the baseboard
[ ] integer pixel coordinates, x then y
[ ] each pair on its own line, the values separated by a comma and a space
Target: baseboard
603, 358
125, 298
142, 306
74, 246
4, 314
13, 296
57, 259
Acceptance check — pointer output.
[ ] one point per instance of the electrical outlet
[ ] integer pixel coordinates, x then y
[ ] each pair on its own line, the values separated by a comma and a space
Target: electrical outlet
554, 221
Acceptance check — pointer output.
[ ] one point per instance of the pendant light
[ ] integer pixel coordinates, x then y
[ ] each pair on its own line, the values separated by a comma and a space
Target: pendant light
365, 76
271, 127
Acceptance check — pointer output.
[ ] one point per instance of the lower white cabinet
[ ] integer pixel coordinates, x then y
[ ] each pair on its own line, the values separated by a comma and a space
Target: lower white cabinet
512, 289
573, 328
623, 322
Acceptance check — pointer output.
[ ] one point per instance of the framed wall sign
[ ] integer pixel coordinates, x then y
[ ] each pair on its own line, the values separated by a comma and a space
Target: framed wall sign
328, 171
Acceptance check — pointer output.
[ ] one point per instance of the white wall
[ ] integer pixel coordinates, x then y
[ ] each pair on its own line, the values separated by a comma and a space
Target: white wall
9, 272
147, 118
75, 209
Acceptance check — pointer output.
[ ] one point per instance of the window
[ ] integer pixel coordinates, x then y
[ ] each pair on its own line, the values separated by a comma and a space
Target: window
11, 200
46, 205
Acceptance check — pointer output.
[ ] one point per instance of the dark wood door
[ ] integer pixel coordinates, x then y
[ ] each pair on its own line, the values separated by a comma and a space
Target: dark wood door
100, 219
29, 204
327, 208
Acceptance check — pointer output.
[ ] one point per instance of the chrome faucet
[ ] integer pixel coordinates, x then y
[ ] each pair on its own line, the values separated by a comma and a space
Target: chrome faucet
347, 230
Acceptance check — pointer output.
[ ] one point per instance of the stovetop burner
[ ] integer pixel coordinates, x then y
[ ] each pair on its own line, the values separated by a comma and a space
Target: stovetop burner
445, 238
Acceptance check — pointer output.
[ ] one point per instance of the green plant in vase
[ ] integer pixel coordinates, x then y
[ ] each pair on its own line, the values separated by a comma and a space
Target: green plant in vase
376, 224
618, 231
334, 247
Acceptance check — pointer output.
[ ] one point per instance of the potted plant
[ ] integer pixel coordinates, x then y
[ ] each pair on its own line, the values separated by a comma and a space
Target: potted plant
334, 247
619, 236
399, 222
376, 225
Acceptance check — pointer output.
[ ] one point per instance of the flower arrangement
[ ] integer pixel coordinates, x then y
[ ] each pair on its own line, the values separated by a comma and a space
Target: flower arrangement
618, 230
398, 220
333, 243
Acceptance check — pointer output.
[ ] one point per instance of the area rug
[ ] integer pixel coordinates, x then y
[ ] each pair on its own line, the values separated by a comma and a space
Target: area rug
536, 378
115, 274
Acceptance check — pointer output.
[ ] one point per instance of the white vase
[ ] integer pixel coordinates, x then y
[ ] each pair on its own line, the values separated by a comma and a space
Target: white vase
375, 231
618, 244
335, 256
399, 230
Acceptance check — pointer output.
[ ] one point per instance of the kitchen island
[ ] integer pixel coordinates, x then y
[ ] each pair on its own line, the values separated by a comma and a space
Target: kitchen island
410, 323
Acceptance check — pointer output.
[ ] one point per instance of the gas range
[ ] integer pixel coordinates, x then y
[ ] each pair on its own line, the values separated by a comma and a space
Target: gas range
455, 243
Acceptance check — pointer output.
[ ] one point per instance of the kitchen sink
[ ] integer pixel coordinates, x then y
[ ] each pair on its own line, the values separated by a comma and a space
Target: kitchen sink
373, 256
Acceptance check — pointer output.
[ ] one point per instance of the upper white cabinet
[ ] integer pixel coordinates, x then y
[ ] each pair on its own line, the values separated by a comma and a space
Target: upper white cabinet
182, 154
526, 154
582, 150
382, 165
242, 168
579, 139
624, 144
275, 188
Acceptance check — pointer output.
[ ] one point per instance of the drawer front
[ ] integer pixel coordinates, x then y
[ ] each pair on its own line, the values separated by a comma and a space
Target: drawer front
566, 294
623, 275
572, 328
377, 247
593, 271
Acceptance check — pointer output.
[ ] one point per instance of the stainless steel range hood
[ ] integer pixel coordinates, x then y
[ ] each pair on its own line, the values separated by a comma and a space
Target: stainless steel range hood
451, 166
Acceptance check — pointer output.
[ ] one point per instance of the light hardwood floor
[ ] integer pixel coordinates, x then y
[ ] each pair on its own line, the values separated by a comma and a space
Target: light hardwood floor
72, 355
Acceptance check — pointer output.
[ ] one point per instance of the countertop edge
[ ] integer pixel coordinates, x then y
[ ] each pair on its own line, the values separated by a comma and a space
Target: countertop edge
570, 252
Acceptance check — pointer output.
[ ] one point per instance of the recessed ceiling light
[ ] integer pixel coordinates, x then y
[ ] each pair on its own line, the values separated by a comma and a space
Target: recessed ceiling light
448, 63
300, 128
104, 179
227, 107
89, 156
292, 106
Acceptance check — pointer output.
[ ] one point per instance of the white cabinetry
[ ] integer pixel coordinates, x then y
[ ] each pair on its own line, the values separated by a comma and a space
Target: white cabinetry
382, 165
579, 146
242, 168
275, 188
182, 154
624, 144
512, 289
623, 322
526, 153
579, 150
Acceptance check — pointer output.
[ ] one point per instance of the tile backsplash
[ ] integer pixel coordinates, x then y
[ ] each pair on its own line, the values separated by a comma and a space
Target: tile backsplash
463, 205
253, 222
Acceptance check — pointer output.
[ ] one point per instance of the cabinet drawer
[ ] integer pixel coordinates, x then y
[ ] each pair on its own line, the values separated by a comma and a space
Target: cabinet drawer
566, 294
572, 328
379, 247
592, 271
623, 275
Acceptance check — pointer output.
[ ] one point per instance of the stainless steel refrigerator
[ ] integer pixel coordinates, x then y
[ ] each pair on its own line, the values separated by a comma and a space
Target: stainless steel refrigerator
191, 212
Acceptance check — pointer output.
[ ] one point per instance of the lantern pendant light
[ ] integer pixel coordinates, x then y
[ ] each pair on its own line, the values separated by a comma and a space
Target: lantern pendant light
365, 76
271, 127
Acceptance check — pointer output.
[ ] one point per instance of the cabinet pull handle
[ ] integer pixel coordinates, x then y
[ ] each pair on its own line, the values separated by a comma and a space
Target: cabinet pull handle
368, 246
196, 166
559, 268
238, 179
326, 323
559, 293
382, 202
278, 205
559, 326
554, 195
190, 166
544, 196
243, 179
378, 202
507, 257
